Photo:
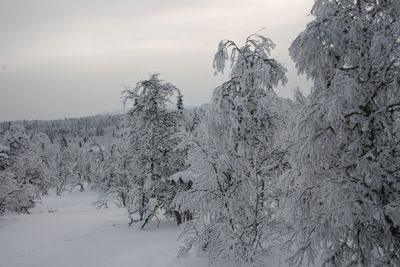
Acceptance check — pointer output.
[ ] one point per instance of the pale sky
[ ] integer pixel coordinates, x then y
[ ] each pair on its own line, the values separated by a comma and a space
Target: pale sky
70, 58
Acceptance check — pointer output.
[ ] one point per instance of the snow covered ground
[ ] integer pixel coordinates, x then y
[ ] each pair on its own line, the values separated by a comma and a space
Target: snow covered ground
80, 235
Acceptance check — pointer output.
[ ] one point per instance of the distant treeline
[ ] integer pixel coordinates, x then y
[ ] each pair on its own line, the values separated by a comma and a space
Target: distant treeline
85, 127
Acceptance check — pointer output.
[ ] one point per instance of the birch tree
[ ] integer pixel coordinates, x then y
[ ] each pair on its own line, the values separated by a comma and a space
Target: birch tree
346, 158
235, 158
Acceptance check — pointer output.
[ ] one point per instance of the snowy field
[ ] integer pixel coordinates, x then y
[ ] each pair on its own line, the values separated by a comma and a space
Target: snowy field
80, 235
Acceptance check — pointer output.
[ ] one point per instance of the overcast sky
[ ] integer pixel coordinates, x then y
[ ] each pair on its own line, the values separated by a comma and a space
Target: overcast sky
70, 58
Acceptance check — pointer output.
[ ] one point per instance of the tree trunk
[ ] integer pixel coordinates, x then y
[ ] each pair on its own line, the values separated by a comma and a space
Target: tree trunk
178, 217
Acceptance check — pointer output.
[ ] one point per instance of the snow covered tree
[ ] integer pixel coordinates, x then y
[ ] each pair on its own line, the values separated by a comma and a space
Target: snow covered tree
43, 151
65, 166
15, 194
345, 180
151, 142
116, 184
182, 181
235, 157
92, 162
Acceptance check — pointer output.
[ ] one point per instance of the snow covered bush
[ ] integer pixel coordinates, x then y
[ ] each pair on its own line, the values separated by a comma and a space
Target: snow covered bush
236, 156
116, 184
91, 163
24, 172
345, 180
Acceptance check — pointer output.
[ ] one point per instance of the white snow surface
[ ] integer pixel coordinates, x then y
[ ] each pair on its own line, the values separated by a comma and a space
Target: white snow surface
77, 234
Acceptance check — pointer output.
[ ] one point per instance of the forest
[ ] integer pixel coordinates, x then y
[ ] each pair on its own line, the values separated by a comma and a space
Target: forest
251, 173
